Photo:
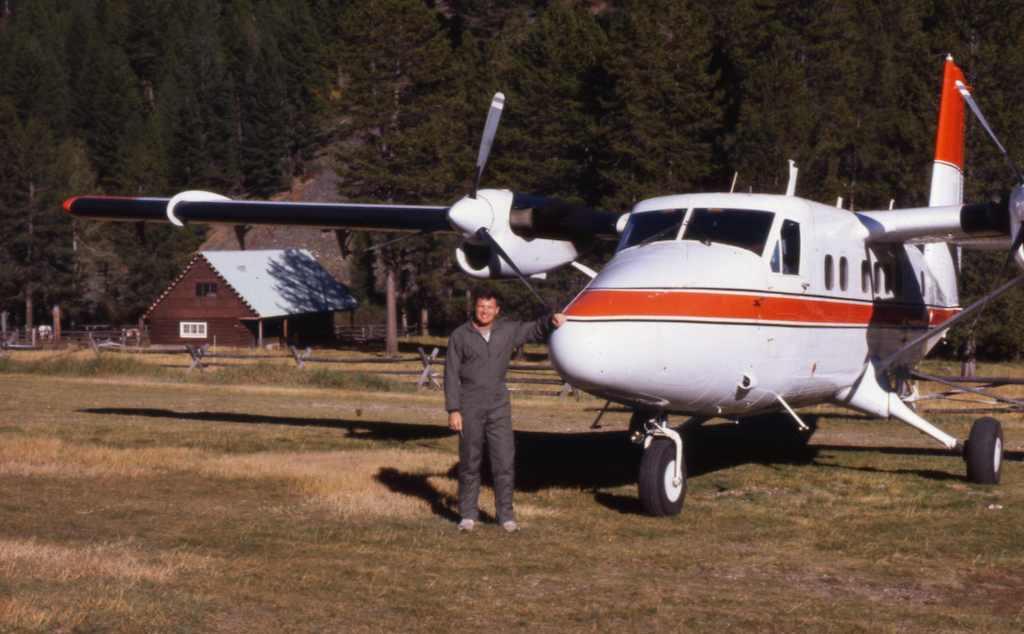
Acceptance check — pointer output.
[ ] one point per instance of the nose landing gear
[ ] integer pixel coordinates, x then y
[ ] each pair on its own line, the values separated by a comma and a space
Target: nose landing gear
662, 478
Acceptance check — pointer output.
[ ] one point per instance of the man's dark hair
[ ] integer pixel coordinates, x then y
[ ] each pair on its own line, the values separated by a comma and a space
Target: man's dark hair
486, 292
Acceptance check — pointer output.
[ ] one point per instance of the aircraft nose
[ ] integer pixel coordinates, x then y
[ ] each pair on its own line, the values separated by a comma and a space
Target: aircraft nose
579, 352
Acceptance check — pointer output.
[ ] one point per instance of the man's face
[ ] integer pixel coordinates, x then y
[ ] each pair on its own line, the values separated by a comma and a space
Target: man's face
486, 312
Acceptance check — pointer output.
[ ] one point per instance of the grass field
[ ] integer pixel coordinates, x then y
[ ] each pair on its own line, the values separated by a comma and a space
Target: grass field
146, 502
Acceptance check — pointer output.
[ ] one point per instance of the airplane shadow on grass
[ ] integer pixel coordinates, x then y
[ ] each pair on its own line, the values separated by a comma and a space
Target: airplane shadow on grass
593, 460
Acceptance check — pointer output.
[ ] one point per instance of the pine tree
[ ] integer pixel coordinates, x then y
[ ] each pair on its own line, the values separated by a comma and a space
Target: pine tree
555, 87
32, 69
35, 245
264, 147
662, 112
403, 105
768, 105
107, 105
197, 102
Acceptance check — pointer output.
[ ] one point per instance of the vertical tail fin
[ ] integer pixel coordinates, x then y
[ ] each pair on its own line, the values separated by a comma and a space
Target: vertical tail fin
948, 169
947, 187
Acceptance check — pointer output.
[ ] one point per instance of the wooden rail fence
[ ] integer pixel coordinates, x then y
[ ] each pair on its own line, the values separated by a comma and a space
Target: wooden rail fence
430, 375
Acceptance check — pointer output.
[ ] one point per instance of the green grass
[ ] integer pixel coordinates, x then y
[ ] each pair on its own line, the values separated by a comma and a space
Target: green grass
187, 506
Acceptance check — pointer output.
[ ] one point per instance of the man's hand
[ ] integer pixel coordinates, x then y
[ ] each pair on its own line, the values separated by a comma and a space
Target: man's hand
557, 319
455, 421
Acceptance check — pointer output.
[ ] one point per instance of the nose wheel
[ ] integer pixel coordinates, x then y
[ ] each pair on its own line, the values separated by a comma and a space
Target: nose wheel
662, 478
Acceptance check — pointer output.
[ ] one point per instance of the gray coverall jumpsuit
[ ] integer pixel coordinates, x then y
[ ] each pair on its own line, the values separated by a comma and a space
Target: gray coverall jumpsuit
474, 384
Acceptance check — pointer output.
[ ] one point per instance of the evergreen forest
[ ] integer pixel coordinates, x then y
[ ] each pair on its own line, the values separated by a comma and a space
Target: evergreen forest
608, 102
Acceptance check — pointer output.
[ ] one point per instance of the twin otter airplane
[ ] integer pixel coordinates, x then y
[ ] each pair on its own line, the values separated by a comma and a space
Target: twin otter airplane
714, 305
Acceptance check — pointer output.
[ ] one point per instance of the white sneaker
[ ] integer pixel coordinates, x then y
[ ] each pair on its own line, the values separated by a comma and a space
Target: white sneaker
466, 525
510, 526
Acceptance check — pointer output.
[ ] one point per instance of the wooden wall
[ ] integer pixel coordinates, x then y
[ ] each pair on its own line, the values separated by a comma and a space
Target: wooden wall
221, 313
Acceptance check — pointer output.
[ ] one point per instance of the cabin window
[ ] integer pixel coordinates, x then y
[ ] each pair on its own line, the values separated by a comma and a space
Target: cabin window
776, 258
889, 278
192, 329
828, 272
843, 274
206, 289
790, 239
922, 284
651, 226
878, 278
865, 276
744, 228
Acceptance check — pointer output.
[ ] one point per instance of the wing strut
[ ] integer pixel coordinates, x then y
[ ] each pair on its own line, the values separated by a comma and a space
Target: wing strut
966, 388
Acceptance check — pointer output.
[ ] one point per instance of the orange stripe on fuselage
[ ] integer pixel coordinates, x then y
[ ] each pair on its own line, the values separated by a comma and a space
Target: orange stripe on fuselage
949, 141
623, 304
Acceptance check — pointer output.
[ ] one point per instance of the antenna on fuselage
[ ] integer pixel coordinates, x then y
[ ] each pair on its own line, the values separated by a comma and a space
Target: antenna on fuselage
793, 171
839, 202
732, 187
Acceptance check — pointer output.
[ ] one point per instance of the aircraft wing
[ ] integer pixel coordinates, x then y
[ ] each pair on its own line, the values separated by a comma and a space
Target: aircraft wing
504, 234
982, 225
220, 210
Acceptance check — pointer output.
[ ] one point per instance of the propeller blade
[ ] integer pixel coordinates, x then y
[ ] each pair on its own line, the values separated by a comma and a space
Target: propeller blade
485, 235
1017, 242
487, 140
1014, 211
969, 99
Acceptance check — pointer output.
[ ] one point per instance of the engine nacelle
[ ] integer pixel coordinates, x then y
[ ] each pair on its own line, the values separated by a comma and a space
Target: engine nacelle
531, 256
491, 210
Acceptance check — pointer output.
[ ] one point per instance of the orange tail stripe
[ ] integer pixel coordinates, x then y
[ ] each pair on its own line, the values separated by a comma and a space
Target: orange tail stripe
949, 142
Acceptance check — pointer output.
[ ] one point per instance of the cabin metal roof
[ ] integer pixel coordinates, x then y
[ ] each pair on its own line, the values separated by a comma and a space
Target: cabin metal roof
280, 282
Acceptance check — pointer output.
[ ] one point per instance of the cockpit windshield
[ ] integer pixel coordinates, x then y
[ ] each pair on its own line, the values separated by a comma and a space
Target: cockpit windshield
744, 228
651, 226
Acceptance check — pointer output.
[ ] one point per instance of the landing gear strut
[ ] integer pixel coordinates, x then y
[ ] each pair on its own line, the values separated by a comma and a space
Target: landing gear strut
662, 479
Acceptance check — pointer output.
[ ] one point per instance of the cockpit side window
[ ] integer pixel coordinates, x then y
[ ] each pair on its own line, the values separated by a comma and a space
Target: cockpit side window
651, 226
790, 241
743, 228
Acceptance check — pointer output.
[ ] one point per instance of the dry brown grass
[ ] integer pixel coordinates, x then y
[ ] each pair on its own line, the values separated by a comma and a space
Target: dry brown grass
31, 559
345, 483
141, 507
113, 570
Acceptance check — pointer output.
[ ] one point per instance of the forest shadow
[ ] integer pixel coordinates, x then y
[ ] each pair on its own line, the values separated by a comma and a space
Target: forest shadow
357, 428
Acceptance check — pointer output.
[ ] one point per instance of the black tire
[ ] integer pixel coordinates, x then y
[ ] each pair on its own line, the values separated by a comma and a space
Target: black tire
657, 496
984, 451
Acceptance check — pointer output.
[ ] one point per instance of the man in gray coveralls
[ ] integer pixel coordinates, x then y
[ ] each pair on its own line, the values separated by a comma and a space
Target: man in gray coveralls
477, 401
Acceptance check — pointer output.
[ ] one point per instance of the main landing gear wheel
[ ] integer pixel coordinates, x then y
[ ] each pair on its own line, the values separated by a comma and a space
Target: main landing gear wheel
659, 494
984, 451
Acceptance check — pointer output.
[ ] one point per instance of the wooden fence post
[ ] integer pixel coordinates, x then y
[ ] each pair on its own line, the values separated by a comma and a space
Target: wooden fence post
428, 374
968, 358
56, 324
3, 325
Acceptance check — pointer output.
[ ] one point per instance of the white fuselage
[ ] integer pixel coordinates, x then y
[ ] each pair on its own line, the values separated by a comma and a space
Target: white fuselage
706, 328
